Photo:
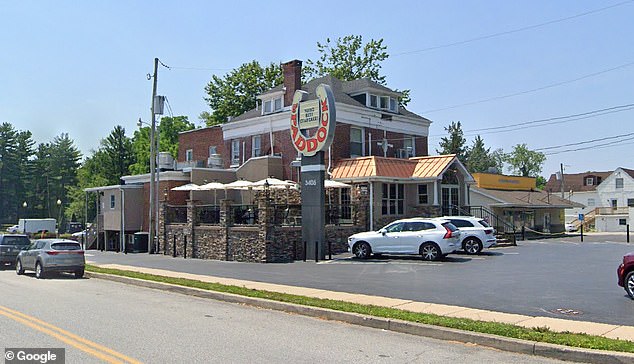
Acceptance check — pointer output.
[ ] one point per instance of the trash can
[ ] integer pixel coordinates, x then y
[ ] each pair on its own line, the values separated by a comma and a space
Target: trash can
140, 244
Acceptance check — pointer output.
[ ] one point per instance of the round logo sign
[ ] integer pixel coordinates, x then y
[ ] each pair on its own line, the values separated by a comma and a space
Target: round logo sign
313, 121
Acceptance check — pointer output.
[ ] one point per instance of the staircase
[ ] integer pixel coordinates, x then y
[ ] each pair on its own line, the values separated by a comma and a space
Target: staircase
588, 220
505, 233
92, 234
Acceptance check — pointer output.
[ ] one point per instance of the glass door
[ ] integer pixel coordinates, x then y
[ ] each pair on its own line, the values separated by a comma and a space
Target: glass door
450, 200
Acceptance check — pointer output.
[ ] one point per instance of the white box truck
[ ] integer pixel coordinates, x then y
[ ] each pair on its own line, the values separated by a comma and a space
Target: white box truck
32, 226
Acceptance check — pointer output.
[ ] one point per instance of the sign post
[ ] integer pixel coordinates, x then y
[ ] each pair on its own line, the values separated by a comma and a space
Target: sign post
312, 131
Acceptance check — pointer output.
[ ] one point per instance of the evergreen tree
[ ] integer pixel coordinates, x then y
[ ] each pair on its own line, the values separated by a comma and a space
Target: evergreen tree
454, 143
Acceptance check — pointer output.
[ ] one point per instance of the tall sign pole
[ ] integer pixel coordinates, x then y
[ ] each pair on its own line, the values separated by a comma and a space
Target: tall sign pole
312, 131
151, 231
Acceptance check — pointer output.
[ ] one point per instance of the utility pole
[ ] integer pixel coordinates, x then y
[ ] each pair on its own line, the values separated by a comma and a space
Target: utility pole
152, 233
561, 166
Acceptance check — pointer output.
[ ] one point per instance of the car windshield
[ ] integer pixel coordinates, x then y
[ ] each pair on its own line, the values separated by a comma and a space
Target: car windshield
15, 240
66, 246
484, 223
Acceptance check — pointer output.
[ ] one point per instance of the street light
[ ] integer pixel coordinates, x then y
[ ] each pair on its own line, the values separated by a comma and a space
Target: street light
59, 220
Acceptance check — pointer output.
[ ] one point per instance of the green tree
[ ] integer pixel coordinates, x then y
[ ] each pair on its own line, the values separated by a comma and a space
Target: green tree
481, 159
525, 162
455, 142
16, 149
168, 128
116, 155
237, 92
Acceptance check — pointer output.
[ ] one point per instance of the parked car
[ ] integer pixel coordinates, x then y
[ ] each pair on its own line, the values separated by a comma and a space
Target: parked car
570, 227
13, 229
10, 246
625, 273
46, 256
475, 233
431, 238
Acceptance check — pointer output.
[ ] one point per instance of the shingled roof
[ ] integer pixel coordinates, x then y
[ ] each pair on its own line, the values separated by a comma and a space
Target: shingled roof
575, 181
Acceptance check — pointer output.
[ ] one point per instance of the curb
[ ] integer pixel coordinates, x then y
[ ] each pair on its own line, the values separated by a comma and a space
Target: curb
552, 351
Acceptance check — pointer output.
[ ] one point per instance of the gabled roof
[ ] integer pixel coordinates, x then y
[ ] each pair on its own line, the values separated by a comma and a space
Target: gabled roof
574, 181
374, 167
341, 91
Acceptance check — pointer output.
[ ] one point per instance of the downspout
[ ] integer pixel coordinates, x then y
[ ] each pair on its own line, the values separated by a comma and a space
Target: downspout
244, 151
122, 222
271, 134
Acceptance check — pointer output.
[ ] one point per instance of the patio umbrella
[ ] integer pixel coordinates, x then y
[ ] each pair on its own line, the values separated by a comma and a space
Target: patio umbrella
187, 187
240, 185
215, 186
273, 183
334, 184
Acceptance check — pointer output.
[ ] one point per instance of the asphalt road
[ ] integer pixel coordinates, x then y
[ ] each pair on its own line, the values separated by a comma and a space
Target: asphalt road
102, 321
537, 278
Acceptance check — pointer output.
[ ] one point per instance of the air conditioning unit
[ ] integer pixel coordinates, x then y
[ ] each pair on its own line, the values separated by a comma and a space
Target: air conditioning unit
165, 161
215, 161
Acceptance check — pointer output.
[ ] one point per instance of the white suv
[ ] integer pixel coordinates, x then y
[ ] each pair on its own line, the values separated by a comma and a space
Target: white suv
476, 233
431, 238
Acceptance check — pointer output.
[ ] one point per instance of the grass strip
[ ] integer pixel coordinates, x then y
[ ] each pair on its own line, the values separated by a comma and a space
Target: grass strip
501, 329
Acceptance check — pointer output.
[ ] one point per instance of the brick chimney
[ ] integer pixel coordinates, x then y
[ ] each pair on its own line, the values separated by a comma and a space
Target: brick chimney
292, 79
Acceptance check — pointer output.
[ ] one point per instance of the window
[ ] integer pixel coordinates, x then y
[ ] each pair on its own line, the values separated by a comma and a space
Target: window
385, 102
589, 181
267, 107
591, 202
418, 226
397, 227
374, 101
630, 202
423, 197
256, 146
189, 155
392, 199
277, 104
392, 104
408, 147
356, 142
619, 182
622, 221
212, 150
459, 223
112, 201
235, 152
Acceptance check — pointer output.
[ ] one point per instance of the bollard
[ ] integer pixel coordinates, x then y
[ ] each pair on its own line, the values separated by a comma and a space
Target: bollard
628, 232
523, 233
316, 252
305, 250
174, 247
329, 250
185, 247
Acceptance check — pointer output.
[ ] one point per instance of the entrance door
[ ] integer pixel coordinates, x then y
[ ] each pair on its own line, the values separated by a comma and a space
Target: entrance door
450, 200
547, 222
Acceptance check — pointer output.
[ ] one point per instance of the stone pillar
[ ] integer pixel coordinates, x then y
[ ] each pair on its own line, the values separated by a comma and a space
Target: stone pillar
162, 233
190, 229
225, 221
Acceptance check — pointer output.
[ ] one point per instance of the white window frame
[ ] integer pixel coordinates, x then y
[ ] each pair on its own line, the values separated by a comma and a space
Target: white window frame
398, 200
589, 181
361, 134
235, 152
189, 155
393, 104
277, 101
618, 183
256, 151
213, 150
112, 202
376, 101
268, 104
425, 195
412, 148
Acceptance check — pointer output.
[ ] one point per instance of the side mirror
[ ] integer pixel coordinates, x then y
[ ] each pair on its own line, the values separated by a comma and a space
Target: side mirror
383, 232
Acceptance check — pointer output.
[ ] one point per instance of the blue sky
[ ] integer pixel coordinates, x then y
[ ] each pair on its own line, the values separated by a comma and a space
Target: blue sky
80, 66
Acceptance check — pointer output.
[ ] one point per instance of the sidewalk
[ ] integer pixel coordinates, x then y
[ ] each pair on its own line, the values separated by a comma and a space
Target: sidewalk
554, 324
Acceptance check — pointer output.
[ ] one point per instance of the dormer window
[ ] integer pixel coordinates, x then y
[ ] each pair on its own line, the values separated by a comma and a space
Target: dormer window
272, 105
589, 181
383, 102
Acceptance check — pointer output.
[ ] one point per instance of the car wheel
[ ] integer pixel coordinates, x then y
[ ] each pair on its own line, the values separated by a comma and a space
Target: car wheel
39, 271
430, 251
362, 250
79, 273
629, 284
19, 270
472, 246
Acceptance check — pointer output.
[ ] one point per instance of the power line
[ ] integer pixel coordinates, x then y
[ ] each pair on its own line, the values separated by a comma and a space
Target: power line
493, 35
597, 146
531, 90
585, 142
198, 68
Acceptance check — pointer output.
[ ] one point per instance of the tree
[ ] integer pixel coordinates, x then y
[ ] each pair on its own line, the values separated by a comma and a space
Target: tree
116, 154
237, 92
168, 128
16, 149
525, 162
454, 143
350, 59
481, 159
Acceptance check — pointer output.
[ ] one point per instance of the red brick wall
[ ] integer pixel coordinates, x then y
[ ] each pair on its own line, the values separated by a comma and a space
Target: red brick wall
199, 141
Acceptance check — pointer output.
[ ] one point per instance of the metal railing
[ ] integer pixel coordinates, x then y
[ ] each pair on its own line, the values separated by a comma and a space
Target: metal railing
612, 210
175, 214
291, 215
243, 215
208, 214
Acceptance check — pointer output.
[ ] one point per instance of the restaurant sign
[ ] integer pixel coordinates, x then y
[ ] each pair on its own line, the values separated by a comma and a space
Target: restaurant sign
313, 121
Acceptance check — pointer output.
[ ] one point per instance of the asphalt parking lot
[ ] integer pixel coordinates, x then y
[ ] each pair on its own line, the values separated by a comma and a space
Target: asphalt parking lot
560, 278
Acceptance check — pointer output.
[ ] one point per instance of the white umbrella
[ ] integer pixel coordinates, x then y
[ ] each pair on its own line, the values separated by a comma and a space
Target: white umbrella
239, 185
334, 184
215, 186
273, 183
187, 187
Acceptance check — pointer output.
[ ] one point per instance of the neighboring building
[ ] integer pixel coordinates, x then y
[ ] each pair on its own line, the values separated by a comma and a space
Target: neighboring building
519, 203
607, 197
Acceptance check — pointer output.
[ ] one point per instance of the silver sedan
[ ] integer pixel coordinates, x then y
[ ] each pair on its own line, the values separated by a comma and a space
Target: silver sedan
47, 256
